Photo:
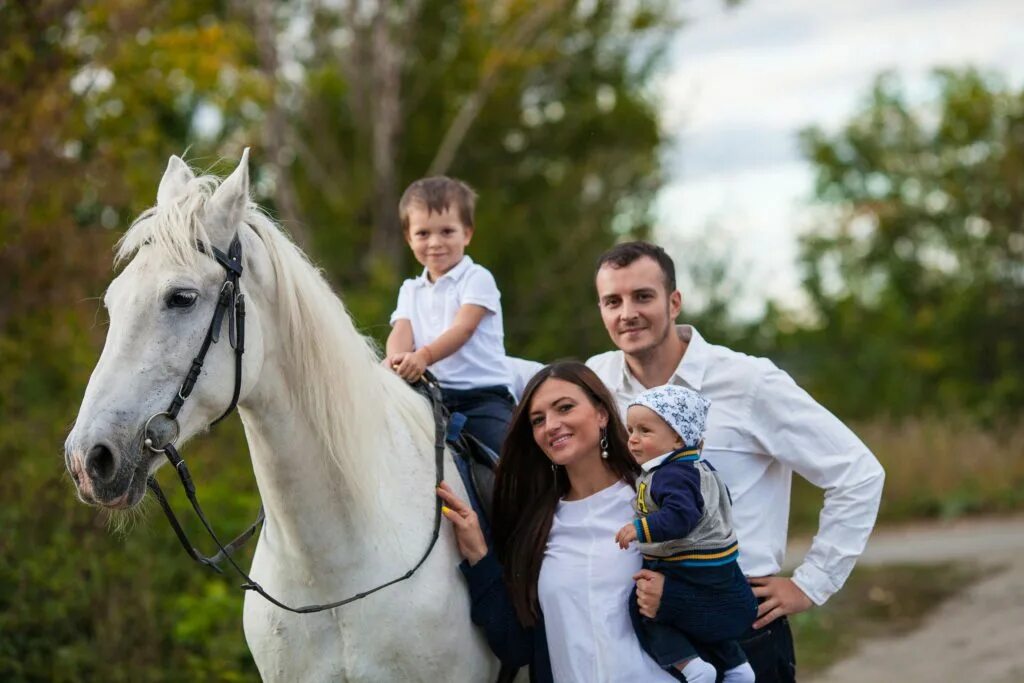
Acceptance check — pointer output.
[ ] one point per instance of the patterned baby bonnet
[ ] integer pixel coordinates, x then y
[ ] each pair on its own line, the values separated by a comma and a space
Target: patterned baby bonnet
685, 410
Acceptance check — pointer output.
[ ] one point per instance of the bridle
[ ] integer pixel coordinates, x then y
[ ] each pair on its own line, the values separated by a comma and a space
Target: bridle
231, 305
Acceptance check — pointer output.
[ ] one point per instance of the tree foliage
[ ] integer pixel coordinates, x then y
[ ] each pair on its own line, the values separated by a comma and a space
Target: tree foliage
917, 277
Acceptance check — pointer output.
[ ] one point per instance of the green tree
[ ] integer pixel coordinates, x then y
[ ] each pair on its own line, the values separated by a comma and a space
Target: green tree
543, 107
917, 278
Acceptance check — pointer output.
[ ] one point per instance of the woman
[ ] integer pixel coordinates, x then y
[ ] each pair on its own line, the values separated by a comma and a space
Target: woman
553, 593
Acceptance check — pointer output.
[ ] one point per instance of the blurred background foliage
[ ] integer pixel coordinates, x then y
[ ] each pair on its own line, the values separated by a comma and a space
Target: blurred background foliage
914, 275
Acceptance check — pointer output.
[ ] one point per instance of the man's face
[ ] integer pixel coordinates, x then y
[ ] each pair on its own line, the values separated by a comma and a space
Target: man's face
637, 310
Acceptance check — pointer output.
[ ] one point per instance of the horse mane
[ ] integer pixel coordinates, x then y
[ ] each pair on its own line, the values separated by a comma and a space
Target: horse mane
333, 370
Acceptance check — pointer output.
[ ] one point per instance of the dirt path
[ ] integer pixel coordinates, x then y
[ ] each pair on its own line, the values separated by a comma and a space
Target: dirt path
977, 635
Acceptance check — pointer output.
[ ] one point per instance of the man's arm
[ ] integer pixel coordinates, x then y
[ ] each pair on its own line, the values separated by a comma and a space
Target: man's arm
792, 427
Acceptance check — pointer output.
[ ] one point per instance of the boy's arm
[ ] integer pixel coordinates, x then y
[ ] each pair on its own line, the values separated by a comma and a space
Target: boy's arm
400, 339
467, 319
412, 365
676, 490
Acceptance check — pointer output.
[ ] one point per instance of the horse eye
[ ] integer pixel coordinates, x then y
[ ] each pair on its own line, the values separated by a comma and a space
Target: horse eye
182, 298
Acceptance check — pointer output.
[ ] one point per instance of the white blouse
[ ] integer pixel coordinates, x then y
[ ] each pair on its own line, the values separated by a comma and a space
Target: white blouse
584, 586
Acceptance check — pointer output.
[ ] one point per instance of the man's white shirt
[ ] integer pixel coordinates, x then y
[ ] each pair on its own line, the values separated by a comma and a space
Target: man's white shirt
761, 428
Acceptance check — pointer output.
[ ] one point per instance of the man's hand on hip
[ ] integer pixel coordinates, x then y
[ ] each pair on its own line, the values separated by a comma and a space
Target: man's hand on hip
781, 597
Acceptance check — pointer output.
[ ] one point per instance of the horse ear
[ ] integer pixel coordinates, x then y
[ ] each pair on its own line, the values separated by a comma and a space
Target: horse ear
176, 177
228, 203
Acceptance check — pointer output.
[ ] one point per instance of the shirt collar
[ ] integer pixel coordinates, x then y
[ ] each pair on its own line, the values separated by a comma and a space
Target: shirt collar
654, 462
455, 274
694, 364
691, 369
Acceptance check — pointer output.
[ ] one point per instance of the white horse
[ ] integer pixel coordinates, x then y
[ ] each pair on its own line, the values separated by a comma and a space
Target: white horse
342, 449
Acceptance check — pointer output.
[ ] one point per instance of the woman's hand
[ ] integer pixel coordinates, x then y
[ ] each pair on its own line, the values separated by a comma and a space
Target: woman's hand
626, 535
649, 587
468, 535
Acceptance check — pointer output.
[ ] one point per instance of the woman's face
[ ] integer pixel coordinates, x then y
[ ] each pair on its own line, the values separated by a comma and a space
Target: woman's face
566, 424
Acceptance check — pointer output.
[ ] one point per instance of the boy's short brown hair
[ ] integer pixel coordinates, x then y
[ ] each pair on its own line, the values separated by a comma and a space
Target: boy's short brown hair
437, 194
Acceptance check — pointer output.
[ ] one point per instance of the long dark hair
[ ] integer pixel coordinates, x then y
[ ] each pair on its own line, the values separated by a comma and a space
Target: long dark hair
526, 491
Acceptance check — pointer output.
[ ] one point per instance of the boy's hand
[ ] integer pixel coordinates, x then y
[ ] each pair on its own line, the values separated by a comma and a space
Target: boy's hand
626, 535
411, 365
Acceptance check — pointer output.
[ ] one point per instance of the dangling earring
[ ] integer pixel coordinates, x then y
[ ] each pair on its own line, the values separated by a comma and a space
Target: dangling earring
603, 443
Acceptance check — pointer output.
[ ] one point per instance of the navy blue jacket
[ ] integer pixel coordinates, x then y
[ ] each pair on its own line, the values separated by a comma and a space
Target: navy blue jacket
491, 609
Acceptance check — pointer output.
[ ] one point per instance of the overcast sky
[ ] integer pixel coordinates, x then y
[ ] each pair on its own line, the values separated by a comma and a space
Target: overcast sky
742, 83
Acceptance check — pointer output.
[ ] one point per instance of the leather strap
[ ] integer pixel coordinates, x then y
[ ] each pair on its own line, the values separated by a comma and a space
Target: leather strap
433, 392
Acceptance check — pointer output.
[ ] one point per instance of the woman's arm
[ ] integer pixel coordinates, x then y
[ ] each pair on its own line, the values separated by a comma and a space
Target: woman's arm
492, 610
490, 607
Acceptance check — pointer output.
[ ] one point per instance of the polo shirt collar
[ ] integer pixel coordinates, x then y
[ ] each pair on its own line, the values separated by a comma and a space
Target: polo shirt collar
455, 274
691, 369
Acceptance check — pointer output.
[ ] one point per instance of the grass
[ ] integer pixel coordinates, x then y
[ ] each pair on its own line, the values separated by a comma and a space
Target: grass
876, 602
935, 469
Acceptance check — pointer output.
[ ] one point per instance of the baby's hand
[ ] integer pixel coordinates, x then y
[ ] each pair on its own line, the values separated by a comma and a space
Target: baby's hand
626, 535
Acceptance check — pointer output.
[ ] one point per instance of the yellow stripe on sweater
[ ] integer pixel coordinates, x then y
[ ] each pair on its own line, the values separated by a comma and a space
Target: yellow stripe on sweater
696, 556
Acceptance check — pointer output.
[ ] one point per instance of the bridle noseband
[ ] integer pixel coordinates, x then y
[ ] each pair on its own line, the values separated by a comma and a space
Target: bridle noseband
231, 305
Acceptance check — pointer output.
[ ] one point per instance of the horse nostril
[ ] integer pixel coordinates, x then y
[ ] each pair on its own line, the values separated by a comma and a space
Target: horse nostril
99, 463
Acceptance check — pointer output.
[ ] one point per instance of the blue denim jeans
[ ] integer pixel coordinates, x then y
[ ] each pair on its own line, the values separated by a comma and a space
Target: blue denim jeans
488, 411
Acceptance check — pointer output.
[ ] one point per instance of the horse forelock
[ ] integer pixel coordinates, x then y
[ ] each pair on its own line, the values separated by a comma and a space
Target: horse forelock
332, 370
173, 228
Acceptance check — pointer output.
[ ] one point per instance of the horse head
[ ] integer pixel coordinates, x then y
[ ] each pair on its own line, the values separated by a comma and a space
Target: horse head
161, 306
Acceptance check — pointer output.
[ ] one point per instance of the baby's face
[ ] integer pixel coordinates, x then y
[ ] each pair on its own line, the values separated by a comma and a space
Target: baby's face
649, 435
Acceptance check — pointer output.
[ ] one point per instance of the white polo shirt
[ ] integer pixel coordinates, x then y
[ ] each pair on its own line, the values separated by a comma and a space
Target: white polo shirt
761, 428
431, 307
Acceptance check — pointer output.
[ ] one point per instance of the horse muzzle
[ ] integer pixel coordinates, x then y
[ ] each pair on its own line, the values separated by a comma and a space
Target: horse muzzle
105, 478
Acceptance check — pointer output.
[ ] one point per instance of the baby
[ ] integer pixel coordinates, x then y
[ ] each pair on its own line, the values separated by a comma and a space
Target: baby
684, 528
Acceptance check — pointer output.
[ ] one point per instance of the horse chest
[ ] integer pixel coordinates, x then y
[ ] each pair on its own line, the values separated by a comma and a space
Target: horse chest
415, 631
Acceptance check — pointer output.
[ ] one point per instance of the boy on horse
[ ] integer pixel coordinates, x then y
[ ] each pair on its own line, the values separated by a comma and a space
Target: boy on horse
449, 317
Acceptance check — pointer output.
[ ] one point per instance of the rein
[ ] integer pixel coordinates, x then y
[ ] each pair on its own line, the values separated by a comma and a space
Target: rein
231, 304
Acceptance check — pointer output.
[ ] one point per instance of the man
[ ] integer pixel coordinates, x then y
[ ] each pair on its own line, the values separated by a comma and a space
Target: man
761, 428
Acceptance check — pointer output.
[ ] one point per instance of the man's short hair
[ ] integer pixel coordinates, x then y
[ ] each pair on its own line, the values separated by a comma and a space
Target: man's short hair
622, 255
437, 194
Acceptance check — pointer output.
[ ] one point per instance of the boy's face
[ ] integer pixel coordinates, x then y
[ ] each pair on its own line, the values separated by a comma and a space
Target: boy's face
438, 240
649, 435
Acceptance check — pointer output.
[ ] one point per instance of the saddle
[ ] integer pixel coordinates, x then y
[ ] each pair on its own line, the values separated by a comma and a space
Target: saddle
474, 461
476, 464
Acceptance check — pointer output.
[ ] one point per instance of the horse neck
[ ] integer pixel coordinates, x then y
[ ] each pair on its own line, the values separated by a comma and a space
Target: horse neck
311, 516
